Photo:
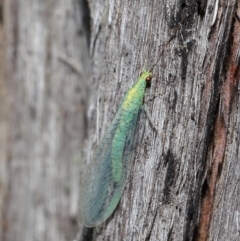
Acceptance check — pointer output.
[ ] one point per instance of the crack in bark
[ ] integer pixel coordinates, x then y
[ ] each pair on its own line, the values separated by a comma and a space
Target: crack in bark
228, 90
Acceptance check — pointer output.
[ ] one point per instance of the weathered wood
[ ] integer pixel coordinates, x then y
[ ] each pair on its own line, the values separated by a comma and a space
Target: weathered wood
3, 116
47, 118
176, 176
184, 183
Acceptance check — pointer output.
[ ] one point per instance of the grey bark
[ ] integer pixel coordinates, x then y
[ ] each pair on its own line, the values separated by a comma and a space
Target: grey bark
3, 116
184, 181
46, 118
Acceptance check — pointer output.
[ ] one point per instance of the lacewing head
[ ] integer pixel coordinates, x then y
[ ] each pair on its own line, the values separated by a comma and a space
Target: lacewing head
147, 76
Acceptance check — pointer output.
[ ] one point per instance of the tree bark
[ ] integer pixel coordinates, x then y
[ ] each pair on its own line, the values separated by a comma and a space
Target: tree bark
184, 181
3, 115
47, 95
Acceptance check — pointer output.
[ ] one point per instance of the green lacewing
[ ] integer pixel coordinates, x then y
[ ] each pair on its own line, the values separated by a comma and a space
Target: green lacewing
104, 181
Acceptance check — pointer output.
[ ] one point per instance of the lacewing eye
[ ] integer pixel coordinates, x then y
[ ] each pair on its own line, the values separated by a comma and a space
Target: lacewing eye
148, 81
148, 78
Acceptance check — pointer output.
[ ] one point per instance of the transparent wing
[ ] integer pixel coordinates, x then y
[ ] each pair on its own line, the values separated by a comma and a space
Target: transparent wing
100, 192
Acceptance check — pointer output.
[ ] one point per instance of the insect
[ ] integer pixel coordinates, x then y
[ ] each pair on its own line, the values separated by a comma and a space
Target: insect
104, 181
103, 186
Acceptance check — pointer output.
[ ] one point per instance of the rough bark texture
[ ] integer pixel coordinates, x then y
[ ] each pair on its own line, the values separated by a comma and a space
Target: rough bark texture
184, 181
179, 186
3, 115
46, 118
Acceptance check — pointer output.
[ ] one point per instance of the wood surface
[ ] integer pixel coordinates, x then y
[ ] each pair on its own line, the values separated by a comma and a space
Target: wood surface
69, 64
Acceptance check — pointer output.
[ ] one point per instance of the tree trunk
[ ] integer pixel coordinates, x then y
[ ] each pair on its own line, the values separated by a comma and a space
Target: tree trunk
47, 95
184, 181
182, 185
